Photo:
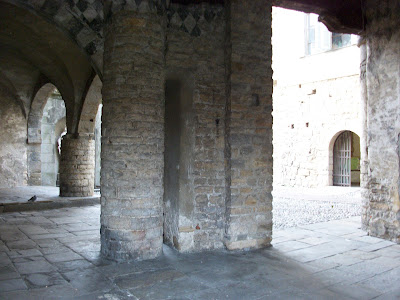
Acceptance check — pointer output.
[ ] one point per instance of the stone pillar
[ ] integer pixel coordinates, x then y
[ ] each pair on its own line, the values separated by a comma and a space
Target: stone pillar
132, 163
34, 150
249, 125
381, 215
362, 43
34, 164
77, 166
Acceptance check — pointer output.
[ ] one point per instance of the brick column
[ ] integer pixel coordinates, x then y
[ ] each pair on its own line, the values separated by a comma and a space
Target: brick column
77, 166
133, 135
249, 125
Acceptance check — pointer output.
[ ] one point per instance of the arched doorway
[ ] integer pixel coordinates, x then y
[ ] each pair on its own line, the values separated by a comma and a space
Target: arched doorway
346, 160
53, 124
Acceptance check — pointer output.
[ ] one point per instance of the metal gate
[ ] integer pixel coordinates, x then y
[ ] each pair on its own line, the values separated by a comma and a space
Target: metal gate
342, 160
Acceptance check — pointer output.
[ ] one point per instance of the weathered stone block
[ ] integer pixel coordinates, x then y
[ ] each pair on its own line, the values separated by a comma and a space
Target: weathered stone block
75, 180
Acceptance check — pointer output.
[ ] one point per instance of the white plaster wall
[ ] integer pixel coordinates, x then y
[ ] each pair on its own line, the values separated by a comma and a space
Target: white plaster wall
315, 97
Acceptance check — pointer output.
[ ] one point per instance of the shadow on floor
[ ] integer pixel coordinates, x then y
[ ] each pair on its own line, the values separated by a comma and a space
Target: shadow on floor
54, 254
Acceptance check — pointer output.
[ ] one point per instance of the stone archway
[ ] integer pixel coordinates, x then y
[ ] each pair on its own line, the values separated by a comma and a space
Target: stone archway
34, 134
81, 20
78, 148
53, 125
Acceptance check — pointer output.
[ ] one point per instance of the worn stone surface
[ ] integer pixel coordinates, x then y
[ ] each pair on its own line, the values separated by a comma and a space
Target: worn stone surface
248, 144
341, 266
381, 216
77, 166
133, 136
52, 126
193, 32
224, 58
34, 134
13, 150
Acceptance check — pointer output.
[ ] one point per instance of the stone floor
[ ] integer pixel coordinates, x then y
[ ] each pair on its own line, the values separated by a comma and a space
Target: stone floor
54, 254
16, 199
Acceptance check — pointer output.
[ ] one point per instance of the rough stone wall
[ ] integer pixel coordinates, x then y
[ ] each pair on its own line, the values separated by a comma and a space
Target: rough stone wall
34, 164
77, 166
195, 57
13, 150
133, 135
34, 139
53, 112
306, 125
381, 216
315, 98
249, 119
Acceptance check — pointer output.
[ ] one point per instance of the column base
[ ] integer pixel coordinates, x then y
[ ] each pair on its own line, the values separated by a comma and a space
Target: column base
123, 245
248, 244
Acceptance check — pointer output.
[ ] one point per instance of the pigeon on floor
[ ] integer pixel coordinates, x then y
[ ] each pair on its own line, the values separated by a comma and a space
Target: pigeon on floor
33, 199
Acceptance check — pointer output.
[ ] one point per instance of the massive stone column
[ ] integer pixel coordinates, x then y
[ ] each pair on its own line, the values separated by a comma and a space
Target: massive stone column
77, 166
133, 133
249, 125
381, 215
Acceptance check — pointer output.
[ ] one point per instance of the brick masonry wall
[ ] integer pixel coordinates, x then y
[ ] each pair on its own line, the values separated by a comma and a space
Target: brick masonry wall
193, 50
381, 216
249, 140
195, 55
77, 167
132, 136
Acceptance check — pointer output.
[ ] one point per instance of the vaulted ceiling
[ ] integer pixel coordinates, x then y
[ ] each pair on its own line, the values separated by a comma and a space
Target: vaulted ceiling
61, 42
34, 51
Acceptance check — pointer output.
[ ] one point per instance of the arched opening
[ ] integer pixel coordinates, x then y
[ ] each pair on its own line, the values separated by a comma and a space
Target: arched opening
316, 97
53, 125
346, 159
90, 123
97, 147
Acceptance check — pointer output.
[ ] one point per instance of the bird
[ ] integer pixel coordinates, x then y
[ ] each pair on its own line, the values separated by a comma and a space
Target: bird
33, 199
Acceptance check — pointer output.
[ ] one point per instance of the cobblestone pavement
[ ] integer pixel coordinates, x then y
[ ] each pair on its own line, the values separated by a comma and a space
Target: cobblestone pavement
54, 254
300, 206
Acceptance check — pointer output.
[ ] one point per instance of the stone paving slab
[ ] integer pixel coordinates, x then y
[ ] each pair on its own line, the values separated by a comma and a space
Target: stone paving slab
318, 261
16, 199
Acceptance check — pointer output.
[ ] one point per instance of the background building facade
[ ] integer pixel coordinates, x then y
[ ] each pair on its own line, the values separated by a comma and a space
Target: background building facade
316, 98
